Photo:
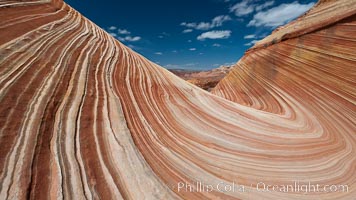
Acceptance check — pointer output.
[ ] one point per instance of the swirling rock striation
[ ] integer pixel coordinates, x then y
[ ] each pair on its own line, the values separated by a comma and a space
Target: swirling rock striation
300, 59
84, 117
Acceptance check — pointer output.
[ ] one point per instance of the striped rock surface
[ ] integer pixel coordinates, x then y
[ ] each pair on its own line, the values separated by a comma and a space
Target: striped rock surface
84, 117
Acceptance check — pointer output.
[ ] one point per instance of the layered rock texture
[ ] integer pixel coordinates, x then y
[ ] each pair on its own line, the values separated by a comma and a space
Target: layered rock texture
84, 117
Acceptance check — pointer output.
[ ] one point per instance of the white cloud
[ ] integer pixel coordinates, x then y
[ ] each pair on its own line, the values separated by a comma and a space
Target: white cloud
251, 43
129, 39
219, 20
216, 45
265, 5
113, 34
163, 35
192, 49
158, 53
125, 35
174, 51
123, 32
132, 46
246, 7
227, 64
132, 39
169, 66
250, 36
111, 28
215, 22
190, 25
230, 63
187, 30
189, 41
242, 8
279, 15
215, 35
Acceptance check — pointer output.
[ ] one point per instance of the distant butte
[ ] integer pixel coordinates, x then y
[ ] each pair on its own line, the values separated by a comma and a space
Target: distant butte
84, 117
205, 79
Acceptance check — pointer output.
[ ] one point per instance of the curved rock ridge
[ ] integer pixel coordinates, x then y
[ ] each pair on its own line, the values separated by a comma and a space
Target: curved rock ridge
325, 13
318, 63
84, 117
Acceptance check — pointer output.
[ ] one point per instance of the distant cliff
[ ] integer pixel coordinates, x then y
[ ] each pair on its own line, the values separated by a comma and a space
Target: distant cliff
206, 79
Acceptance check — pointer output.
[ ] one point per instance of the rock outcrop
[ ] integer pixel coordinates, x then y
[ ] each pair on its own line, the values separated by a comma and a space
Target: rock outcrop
84, 117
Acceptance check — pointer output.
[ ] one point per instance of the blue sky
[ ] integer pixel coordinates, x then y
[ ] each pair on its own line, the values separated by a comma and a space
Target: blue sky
190, 34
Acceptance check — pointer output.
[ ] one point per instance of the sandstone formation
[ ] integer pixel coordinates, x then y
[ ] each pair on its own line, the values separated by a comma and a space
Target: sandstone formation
84, 117
207, 79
